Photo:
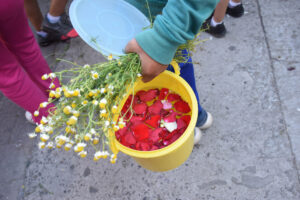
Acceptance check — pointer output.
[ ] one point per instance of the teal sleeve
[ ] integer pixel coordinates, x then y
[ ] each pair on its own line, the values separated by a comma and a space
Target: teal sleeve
179, 22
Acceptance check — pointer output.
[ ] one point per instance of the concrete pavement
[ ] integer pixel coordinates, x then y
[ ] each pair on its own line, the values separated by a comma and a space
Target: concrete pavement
249, 81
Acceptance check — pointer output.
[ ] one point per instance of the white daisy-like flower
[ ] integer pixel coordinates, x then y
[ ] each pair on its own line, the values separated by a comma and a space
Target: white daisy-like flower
111, 87
50, 145
105, 154
44, 104
139, 75
102, 103
87, 137
44, 120
92, 131
45, 77
107, 123
52, 75
32, 135
44, 137
98, 155
86, 66
82, 154
36, 113
102, 90
95, 75
51, 86
41, 145
95, 102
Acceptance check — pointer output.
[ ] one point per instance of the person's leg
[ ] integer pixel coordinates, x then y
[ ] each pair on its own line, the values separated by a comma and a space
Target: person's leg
187, 73
214, 24
34, 13
20, 40
16, 85
220, 11
57, 7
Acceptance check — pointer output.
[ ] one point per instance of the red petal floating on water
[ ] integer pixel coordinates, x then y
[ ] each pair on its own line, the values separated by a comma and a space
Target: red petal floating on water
136, 120
163, 93
141, 131
173, 97
145, 146
156, 107
186, 119
149, 95
171, 117
129, 138
182, 106
154, 121
140, 108
164, 113
121, 132
154, 135
140, 92
175, 137
154, 148
164, 133
181, 124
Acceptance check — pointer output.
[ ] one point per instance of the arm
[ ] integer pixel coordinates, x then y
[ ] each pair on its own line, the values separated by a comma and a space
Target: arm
180, 21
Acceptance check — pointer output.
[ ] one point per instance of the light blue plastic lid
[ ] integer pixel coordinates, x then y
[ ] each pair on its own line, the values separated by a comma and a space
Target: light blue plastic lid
107, 25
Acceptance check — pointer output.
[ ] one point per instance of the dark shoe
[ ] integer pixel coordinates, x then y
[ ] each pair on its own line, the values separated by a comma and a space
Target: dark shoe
217, 31
236, 11
59, 31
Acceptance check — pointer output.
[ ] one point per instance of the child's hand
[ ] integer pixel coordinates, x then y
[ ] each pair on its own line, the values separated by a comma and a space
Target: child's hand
150, 68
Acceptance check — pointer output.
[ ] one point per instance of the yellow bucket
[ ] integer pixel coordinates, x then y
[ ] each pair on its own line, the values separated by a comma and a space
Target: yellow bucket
177, 153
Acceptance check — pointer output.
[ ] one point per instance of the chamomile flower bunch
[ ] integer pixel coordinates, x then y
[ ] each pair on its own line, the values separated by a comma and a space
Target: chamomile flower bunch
87, 110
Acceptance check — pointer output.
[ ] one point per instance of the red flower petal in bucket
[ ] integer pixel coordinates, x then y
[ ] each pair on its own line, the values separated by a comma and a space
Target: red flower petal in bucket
156, 107
141, 131
173, 97
171, 117
119, 133
182, 106
129, 138
181, 124
154, 121
140, 108
149, 95
154, 135
143, 146
154, 148
136, 120
186, 119
163, 93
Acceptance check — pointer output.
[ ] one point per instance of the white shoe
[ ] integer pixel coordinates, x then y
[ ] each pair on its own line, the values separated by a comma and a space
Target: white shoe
197, 135
208, 122
28, 116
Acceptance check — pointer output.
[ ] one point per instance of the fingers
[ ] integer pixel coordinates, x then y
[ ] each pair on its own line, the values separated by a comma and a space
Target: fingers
132, 47
150, 68
149, 72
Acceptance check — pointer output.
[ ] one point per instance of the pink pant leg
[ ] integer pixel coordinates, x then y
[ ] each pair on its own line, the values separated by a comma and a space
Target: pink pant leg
19, 83
20, 40
16, 85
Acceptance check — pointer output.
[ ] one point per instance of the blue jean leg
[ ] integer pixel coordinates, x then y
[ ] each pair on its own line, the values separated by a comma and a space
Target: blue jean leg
187, 73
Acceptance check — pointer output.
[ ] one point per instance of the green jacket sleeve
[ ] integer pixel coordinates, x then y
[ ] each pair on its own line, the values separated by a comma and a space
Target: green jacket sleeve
180, 21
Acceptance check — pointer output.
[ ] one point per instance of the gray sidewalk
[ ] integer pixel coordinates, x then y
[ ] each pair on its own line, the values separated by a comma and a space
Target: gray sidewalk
249, 81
